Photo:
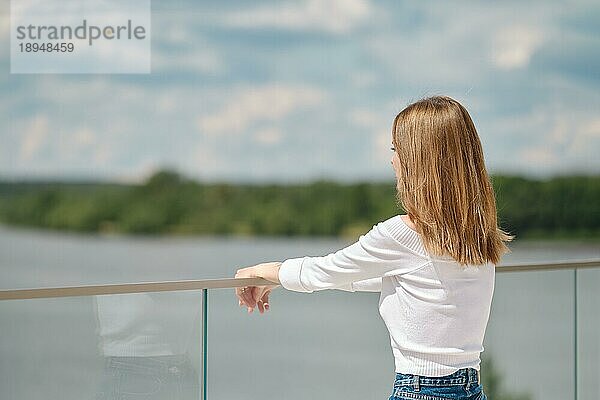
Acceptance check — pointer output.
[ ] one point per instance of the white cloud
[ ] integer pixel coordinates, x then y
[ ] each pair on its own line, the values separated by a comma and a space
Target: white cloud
179, 45
458, 46
84, 138
204, 163
586, 138
249, 105
364, 79
140, 172
4, 24
167, 102
365, 118
331, 16
426, 57
268, 136
564, 140
381, 63
102, 155
538, 157
194, 53
174, 34
195, 60
376, 125
34, 137
381, 147
513, 46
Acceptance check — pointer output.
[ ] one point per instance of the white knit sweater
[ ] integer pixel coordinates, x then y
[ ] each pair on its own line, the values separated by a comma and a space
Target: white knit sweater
436, 311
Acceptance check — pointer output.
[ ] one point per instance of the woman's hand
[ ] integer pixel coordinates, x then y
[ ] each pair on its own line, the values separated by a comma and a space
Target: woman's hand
252, 296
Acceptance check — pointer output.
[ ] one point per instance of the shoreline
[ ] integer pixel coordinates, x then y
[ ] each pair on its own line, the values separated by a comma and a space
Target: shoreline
562, 237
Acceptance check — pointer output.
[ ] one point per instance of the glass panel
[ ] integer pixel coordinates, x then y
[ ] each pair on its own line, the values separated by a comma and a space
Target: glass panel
588, 304
329, 344
104, 347
529, 340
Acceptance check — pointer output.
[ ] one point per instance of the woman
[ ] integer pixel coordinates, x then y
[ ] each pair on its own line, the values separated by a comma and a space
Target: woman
434, 266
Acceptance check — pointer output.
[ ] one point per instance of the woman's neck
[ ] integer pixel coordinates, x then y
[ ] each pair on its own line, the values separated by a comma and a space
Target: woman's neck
408, 222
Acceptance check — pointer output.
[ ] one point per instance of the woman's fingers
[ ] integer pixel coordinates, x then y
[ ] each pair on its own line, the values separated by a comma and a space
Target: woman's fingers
245, 297
241, 300
254, 296
238, 293
265, 300
245, 294
257, 294
249, 296
261, 307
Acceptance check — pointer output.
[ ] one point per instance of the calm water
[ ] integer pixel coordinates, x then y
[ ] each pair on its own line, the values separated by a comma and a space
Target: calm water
329, 344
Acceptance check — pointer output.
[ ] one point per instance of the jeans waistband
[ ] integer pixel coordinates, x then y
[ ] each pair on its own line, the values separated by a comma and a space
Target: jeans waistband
464, 376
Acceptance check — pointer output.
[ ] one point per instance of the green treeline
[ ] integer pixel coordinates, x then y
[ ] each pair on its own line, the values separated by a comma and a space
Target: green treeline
169, 203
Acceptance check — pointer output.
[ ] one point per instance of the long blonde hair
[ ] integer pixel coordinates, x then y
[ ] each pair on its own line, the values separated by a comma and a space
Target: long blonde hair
443, 184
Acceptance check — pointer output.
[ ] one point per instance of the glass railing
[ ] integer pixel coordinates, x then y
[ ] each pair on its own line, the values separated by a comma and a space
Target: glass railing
158, 340
535, 337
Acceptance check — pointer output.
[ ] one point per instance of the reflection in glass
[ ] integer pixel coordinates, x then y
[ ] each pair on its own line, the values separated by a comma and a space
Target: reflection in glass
145, 340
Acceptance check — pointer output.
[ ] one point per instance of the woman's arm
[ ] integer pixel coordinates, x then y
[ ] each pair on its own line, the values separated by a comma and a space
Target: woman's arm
366, 285
259, 296
374, 255
359, 266
270, 272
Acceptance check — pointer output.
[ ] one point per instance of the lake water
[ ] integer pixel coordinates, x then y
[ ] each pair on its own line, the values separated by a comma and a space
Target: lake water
324, 345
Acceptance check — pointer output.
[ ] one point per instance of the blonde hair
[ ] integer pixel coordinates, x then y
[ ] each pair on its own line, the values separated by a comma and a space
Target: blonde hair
443, 184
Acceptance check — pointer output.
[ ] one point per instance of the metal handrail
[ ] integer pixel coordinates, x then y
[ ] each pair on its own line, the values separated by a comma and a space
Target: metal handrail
169, 286
523, 267
129, 288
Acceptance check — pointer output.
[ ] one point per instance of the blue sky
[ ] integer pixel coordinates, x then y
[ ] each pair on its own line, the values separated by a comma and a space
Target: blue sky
293, 91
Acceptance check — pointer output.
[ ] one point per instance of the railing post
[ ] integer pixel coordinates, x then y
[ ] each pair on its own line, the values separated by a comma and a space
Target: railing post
575, 344
204, 343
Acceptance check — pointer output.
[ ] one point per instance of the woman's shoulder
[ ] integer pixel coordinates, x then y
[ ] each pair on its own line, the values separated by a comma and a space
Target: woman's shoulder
399, 226
398, 229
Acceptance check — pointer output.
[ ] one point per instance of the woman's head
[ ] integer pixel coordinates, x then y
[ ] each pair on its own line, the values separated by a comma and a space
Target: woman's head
442, 181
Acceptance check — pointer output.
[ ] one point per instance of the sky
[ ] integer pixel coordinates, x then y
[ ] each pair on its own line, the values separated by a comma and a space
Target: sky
292, 91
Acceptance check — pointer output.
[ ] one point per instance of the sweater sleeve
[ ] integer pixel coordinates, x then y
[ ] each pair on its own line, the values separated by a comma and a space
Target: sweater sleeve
366, 285
374, 255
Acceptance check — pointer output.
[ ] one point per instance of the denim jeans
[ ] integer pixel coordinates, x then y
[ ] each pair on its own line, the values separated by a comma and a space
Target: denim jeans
461, 385
149, 378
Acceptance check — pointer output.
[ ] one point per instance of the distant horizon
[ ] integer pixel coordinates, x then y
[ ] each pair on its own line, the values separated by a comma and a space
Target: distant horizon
279, 181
